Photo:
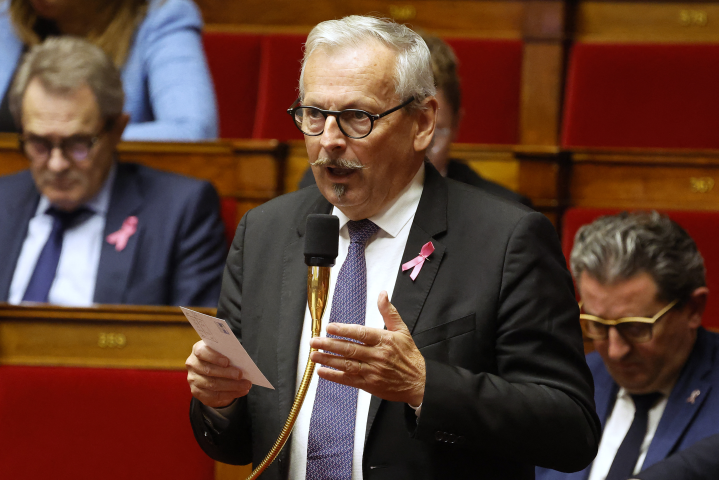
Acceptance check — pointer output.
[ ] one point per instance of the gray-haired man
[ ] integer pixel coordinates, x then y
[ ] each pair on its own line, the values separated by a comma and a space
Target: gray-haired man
642, 285
80, 228
480, 371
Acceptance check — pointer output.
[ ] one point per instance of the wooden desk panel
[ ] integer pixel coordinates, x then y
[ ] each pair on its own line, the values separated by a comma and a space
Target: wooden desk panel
646, 21
486, 18
103, 336
645, 179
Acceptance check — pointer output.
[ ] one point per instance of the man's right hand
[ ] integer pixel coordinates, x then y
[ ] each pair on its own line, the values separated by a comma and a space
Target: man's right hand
212, 380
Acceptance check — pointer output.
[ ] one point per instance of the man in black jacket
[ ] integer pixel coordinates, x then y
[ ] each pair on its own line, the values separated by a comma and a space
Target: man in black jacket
475, 370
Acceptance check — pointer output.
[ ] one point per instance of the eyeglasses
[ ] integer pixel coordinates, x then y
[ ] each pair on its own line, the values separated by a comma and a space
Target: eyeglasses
76, 147
633, 329
352, 122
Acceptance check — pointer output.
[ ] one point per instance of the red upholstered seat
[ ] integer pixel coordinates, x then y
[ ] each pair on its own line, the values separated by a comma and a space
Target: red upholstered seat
490, 72
702, 226
86, 423
279, 77
256, 80
642, 95
234, 61
228, 210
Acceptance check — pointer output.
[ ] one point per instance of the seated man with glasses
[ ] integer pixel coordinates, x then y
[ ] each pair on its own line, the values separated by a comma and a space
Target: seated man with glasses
656, 370
79, 227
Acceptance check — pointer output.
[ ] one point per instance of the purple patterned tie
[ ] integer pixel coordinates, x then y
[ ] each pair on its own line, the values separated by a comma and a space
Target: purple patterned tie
331, 437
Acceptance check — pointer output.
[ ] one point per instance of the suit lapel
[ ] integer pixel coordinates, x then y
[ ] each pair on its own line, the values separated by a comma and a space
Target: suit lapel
15, 215
680, 411
114, 270
409, 296
293, 303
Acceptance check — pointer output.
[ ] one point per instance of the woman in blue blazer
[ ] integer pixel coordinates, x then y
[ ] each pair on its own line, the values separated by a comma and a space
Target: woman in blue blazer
168, 88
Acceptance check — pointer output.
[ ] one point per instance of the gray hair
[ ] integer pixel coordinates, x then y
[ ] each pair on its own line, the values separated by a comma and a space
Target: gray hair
413, 71
65, 64
618, 247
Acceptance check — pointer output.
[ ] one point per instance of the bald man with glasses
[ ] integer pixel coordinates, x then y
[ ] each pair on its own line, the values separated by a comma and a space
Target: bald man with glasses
656, 370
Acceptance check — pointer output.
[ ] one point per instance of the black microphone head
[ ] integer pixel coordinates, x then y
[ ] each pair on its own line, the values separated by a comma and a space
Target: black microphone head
322, 234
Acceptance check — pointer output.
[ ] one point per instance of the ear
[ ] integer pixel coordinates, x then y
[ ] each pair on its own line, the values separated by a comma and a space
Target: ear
696, 305
118, 127
426, 120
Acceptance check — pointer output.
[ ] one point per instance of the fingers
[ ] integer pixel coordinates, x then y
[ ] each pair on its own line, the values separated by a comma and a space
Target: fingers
342, 347
342, 378
390, 315
366, 335
218, 399
207, 354
212, 379
344, 364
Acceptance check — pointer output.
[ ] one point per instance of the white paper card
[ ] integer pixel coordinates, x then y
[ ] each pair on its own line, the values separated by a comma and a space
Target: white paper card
218, 336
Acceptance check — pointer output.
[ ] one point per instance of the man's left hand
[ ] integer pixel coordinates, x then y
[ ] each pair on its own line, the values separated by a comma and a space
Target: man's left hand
386, 363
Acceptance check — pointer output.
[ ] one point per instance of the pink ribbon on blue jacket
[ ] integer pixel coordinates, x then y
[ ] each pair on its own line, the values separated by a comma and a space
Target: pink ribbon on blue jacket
120, 238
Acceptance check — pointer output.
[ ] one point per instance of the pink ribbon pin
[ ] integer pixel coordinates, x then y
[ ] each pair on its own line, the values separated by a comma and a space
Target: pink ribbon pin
120, 238
417, 262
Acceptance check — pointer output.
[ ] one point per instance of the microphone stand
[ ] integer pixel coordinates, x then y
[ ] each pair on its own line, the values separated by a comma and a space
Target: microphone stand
318, 285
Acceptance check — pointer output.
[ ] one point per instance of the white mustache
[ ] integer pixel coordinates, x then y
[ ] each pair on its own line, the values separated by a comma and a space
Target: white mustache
338, 163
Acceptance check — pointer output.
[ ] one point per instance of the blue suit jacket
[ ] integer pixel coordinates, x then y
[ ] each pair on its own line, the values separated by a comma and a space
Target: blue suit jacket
683, 423
176, 256
698, 462
168, 87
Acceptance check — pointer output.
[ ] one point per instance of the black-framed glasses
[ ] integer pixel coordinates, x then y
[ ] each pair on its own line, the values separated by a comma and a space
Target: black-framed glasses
352, 122
75, 147
633, 329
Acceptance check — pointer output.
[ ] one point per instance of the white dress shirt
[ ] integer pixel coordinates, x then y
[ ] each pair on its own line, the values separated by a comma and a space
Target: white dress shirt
74, 283
383, 255
616, 428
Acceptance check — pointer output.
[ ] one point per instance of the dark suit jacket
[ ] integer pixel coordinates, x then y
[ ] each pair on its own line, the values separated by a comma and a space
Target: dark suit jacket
683, 423
175, 257
493, 313
698, 462
460, 171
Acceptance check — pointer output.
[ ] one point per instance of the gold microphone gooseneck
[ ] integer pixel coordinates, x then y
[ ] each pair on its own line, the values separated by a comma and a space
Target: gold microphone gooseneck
322, 233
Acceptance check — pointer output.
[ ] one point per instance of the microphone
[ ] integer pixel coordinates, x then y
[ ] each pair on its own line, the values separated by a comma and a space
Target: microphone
321, 239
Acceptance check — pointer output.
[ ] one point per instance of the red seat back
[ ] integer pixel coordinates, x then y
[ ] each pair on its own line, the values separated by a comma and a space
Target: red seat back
490, 72
234, 60
642, 95
702, 226
279, 78
228, 211
87, 423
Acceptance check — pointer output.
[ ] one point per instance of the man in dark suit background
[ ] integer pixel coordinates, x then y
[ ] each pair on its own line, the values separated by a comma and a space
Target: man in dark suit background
656, 370
79, 227
449, 116
474, 370
698, 462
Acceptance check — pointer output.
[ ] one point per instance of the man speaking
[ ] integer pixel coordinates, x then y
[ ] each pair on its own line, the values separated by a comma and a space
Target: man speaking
476, 367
